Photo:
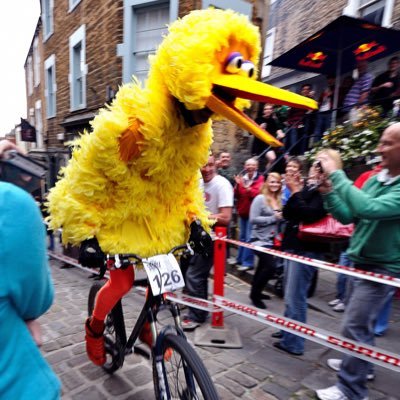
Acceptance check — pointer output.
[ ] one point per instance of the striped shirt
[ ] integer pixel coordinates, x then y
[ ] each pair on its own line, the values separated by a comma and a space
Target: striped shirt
361, 85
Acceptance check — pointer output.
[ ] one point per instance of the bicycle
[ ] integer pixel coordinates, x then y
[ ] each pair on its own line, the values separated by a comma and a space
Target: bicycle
177, 375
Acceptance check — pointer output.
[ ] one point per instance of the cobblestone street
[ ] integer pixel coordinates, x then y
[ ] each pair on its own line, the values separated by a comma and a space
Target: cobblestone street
256, 371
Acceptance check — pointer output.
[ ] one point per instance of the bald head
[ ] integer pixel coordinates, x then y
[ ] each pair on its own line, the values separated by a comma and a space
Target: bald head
389, 149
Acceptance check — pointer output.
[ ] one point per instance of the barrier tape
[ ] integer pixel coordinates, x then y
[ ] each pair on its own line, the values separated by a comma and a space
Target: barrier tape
368, 353
176, 297
359, 273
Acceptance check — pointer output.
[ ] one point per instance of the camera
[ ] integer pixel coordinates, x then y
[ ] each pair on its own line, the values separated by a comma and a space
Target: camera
22, 171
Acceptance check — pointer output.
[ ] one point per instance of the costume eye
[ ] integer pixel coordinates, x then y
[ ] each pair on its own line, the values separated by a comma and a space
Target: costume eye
247, 68
234, 62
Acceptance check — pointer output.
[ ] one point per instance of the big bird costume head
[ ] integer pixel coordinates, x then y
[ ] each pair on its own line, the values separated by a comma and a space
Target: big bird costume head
133, 182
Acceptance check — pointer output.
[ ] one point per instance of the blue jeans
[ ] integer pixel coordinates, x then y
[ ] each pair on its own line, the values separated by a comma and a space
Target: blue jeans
341, 281
322, 124
366, 300
382, 321
245, 256
291, 140
298, 278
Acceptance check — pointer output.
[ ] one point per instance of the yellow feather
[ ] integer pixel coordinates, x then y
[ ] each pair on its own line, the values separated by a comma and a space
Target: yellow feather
143, 203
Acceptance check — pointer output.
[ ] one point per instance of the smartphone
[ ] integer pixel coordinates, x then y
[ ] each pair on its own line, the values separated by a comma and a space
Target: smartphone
318, 166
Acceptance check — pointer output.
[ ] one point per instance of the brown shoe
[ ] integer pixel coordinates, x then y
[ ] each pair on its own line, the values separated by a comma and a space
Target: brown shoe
94, 345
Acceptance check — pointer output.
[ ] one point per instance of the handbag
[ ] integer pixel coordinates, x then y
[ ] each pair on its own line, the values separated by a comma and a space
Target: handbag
326, 229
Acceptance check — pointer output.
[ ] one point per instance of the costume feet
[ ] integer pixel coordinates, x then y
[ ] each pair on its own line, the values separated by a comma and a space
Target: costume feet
94, 345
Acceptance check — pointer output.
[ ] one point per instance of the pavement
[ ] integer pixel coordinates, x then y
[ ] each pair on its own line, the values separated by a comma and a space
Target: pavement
255, 371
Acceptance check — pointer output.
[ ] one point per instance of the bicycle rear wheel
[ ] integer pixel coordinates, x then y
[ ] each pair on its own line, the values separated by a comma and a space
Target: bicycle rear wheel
183, 374
114, 332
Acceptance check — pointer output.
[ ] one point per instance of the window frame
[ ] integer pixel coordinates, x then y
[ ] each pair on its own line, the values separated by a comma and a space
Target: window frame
38, 124
29, 67
78, 37
354, 6
50, 64
47, 16
72, 4
240, 6
36, 62
126, 49
268, 52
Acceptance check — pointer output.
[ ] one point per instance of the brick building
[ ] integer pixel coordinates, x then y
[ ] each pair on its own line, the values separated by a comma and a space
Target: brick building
292, 21
83, 50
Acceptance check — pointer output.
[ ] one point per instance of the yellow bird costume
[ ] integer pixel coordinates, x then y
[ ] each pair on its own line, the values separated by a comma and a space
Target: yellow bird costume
133, 183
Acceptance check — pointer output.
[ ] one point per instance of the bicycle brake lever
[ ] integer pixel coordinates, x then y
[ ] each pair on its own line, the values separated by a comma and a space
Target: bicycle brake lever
189, 249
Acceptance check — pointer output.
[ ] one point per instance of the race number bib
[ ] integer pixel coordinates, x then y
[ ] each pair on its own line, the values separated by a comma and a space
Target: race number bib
164, 273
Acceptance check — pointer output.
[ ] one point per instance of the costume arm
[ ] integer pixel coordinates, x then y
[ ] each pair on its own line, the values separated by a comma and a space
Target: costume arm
24, 266
361, 204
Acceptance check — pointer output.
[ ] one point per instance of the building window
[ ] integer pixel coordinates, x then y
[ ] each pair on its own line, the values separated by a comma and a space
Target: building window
73, 4
151, 25
36, 62
38, 124
78, 69
29, 72
375, 11
51, 87
47, 18
240, 6
142, 21
268, 52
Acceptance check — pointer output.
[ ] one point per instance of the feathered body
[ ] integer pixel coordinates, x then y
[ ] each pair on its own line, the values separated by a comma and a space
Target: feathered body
133, 182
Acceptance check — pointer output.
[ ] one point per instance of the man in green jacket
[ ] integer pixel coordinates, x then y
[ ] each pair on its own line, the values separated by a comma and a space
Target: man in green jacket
374, 246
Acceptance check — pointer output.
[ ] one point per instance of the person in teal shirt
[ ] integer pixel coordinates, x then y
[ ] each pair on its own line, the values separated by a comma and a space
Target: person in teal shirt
374, 246
26, 292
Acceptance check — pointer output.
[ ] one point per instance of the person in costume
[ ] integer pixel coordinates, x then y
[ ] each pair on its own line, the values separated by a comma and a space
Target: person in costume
132, 185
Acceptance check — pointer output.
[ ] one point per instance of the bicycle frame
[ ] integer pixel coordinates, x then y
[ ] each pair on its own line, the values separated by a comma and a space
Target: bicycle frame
153, 304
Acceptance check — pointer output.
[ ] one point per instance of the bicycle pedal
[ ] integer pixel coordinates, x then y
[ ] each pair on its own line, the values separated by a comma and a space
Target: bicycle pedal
142, 352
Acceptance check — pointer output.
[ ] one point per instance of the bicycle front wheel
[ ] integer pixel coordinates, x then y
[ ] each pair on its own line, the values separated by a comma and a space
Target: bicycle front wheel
182, 374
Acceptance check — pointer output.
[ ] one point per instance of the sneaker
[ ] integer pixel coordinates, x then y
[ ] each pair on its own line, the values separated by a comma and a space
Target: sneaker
243, 268
336, 364
231, 260
188, 324
94, 345
340, 307
334, 302
331, 393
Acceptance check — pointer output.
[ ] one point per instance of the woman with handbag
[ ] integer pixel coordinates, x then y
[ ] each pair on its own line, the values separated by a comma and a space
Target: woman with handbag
304, 205
265, 214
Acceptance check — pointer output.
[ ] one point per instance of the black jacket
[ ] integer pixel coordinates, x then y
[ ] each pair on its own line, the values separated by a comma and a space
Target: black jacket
305, 206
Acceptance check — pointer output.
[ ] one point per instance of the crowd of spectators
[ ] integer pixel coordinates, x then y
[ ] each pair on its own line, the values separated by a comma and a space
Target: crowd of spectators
283, 202
270, 197
299, 129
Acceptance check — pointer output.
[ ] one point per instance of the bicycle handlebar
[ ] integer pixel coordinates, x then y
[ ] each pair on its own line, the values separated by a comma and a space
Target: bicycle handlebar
128, 256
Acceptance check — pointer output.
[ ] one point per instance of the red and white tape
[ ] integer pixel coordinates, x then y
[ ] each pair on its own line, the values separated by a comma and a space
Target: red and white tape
359, 273
372, 354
